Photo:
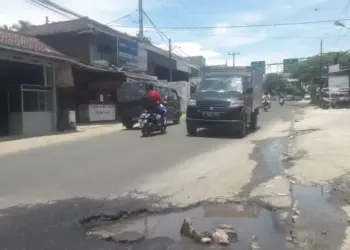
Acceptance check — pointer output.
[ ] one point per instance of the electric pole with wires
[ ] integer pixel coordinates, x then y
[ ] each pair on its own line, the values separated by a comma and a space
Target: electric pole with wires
233, 54
170, 66
140, 21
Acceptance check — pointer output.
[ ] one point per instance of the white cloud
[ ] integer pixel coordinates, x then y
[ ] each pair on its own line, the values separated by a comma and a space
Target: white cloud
191, 49
213, 44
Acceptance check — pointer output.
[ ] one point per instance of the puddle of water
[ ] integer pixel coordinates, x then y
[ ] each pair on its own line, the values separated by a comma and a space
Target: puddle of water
271, 154
247, 220
324, 220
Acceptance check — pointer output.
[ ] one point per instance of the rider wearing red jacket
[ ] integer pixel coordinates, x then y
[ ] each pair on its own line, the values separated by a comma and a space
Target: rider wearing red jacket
151, 101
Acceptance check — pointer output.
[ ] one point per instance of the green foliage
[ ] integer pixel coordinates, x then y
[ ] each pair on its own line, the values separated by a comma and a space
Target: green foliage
5, 27
146, 40
309, 71
20, 26
275, 83
278, 83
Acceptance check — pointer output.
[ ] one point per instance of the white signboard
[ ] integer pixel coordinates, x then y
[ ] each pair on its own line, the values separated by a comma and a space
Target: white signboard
333, 68
101, 112
182, 65
338, 82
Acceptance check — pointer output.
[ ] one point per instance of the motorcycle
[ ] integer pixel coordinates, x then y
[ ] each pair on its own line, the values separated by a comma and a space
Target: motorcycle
266, 105
281, 101
151, 122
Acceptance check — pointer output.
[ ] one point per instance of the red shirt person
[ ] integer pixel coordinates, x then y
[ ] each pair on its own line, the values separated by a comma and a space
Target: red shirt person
156, 99
151, 101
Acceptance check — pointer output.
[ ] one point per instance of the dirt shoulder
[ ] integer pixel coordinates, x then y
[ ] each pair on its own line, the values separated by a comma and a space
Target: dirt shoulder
318, 165
320, 146
13, 145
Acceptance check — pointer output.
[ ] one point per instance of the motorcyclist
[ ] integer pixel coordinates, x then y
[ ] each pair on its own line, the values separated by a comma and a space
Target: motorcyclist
280, 96
151, 101
266, 97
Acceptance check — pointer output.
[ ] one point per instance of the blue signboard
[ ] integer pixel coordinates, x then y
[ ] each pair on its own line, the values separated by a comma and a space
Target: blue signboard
128, 51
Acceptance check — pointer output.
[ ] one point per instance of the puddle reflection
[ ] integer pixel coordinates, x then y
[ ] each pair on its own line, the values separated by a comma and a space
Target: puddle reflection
247, 220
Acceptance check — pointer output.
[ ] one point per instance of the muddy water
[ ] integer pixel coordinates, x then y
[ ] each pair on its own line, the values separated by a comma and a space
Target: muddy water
248, 220
321, 223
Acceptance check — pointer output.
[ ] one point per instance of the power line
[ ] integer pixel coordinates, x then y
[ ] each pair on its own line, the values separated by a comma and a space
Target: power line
41, 5
345, 11
262, 37
59, 7
123, 17
160, 33
240, 26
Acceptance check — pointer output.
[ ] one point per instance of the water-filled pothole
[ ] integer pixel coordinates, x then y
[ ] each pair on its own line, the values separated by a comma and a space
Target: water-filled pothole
253, 224
321, 222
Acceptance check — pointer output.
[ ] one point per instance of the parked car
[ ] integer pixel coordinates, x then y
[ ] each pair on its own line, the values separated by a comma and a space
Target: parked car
129, 105
307, 97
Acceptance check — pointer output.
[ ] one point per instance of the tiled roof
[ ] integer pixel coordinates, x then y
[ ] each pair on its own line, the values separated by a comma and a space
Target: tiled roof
27, 43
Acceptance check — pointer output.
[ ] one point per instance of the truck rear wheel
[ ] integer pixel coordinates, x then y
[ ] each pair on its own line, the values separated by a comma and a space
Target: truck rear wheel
242, 132
128, 123
191, 129
254, 120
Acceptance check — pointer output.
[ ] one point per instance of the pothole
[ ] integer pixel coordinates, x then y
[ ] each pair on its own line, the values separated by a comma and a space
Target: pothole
320, 222
255, 226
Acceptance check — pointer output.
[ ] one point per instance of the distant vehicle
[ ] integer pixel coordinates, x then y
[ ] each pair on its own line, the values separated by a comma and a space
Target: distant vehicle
307, 97
289, 97
281, 101
227, 97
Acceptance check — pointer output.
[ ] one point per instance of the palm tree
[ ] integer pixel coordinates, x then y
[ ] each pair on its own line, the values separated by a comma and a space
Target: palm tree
21, 25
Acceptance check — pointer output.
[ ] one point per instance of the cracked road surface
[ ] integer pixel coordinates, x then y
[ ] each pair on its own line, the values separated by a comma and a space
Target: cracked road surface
44, 192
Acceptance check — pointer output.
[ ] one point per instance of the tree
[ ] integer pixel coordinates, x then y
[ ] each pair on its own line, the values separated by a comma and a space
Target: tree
308, 72
145, 39
5, 27
275, 83
21, 25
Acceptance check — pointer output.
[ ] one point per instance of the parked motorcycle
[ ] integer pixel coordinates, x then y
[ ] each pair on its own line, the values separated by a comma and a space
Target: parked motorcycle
266, 105
151, 122
281, 101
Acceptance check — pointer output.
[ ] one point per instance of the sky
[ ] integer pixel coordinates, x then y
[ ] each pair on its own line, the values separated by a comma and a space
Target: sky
270, 44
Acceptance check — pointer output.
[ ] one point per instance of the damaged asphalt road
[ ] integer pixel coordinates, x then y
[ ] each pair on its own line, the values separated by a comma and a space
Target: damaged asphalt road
178, 172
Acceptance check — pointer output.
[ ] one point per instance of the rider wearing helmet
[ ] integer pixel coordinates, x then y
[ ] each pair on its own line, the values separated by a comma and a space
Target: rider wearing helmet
280, 95
266, 97
152, 102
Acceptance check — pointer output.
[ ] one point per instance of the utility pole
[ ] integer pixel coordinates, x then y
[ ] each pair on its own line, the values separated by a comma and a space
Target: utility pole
140, 21
321, 75
233, 54
170, 66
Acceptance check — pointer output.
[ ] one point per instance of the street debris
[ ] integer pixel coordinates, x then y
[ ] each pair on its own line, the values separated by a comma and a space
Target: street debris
222, 235
208, 224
